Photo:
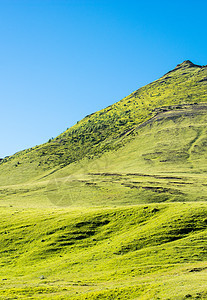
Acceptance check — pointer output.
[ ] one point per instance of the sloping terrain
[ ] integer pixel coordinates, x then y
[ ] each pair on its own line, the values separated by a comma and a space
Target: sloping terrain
115, 207
162, 160
103, 130
154, 251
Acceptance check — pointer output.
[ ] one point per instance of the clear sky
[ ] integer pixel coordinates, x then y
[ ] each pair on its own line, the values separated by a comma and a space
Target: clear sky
63, 59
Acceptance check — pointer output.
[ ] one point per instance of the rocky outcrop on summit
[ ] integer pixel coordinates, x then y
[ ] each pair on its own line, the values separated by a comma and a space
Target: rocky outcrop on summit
186, 65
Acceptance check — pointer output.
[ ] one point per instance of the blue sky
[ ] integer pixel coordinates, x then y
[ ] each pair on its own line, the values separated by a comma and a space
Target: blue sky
63, 59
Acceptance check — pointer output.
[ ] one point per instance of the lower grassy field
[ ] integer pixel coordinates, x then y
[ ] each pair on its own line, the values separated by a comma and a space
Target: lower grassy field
153, 251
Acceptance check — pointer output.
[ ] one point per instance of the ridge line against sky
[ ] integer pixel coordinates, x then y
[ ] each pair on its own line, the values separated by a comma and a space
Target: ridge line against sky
61, 60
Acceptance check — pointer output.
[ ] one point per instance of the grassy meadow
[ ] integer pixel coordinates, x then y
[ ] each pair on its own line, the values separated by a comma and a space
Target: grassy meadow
115, 207
154, 251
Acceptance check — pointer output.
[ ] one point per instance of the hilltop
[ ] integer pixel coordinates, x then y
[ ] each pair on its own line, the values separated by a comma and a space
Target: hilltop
105, 130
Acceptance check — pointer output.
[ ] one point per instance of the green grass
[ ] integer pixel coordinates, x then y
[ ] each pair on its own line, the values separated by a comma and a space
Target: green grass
152, 251
115, 207
163, 161
103, 131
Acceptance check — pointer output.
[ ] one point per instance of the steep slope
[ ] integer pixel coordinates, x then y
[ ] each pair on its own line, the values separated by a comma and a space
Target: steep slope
162, 160
104, 130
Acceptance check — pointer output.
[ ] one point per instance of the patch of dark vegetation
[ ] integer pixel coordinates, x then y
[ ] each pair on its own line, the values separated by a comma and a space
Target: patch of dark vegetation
160, 189
154, 176
183, 230
188, 296
167, 177
56, 230
181, 183
152, 155
138, 174
156, 189
61, 243
69, 239
154, 210
66, 236
197, 269
105, 174
51, 249
202, 80
93, 223
24, 226
177, 229
82, 236
90, 183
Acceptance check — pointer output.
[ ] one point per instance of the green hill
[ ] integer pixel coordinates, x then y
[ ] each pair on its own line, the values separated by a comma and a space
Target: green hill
114, 207
104, 130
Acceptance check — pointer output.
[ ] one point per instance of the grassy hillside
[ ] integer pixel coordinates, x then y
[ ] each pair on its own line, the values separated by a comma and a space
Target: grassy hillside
163, 160
115, 207
102, 131
154, 251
